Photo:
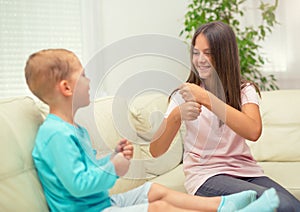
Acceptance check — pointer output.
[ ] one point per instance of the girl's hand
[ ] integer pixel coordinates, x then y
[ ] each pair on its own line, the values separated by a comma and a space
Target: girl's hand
189, 111
191, 92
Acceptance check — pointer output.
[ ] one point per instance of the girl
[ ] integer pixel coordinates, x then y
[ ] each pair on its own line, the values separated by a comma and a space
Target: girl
220, 111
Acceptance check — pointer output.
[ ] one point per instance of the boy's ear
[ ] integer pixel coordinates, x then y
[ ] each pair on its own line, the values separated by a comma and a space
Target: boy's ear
65, 88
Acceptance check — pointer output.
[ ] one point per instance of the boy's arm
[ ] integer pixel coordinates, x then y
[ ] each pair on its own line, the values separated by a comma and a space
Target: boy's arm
79, 177
121, 164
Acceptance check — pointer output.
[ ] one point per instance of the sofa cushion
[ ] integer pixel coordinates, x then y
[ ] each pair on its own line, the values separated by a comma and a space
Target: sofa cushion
108, 131
19, 184
280, 139
285, 173
174, 179
106, 126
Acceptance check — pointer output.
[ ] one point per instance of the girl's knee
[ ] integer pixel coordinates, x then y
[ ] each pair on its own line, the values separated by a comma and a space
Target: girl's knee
159, 206
285, 206
286, 203
157, 192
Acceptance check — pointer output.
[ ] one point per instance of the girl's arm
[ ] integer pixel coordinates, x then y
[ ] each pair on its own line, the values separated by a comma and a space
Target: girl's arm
246, 123
164, 136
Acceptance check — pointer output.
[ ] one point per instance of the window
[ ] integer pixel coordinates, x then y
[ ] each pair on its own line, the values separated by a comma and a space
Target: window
274, 45
29, 26
281, 47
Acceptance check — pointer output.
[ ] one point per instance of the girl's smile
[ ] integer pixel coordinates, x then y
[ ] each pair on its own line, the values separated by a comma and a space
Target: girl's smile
202, 57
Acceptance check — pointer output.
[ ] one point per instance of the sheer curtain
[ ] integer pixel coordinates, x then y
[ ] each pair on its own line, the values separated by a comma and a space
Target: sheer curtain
31, 25
92, 28
288, 14
281, 46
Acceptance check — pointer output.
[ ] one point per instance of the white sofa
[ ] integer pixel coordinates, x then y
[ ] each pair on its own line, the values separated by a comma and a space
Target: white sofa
277, 151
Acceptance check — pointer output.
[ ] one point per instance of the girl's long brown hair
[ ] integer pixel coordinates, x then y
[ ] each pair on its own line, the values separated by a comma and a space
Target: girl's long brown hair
225, 60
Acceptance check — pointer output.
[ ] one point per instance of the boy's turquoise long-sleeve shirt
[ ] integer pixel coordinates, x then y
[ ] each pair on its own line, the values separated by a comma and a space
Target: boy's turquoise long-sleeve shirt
72, 178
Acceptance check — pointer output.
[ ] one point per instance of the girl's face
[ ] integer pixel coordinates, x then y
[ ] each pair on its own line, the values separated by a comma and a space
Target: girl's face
202, 57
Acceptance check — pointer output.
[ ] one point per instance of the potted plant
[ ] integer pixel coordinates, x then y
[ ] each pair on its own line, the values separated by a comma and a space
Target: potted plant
248, 37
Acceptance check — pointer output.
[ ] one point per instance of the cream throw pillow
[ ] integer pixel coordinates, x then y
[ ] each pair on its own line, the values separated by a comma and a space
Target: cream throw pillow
145, 114
147, 111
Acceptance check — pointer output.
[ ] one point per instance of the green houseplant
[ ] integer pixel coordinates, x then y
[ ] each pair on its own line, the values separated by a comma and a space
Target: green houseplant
248, 37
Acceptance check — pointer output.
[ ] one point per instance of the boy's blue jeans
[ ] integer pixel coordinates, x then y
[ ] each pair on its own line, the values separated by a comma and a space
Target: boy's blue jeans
224, 185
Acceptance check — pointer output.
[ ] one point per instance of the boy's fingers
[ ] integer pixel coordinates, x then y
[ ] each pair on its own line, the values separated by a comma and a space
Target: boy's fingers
128, 146
122, 142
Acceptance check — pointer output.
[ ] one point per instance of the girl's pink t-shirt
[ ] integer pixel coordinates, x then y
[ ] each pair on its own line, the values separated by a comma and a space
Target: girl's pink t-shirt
211, 148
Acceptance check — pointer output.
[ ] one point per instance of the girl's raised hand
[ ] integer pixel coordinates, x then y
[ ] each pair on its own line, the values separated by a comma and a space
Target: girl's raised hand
189, 111
191, 92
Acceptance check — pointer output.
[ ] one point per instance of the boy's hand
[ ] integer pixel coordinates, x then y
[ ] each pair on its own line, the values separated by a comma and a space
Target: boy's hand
126, 148
121, 164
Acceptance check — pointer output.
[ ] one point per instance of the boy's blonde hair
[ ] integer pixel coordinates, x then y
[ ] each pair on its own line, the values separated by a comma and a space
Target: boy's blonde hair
47, 67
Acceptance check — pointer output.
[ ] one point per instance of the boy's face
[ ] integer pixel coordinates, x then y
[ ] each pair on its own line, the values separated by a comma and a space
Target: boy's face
81, 97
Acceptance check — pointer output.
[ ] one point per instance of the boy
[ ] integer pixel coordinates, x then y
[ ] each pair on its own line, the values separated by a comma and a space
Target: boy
73, 180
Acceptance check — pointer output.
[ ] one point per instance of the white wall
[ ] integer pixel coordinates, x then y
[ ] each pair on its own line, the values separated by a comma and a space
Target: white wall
106, 22
122, 19
132, 17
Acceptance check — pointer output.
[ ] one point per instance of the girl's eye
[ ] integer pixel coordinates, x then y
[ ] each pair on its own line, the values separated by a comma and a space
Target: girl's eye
196, 53
207, 53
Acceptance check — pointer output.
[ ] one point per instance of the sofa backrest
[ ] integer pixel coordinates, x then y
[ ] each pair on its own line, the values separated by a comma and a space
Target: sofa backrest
280, 139
20, 189
144, 115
